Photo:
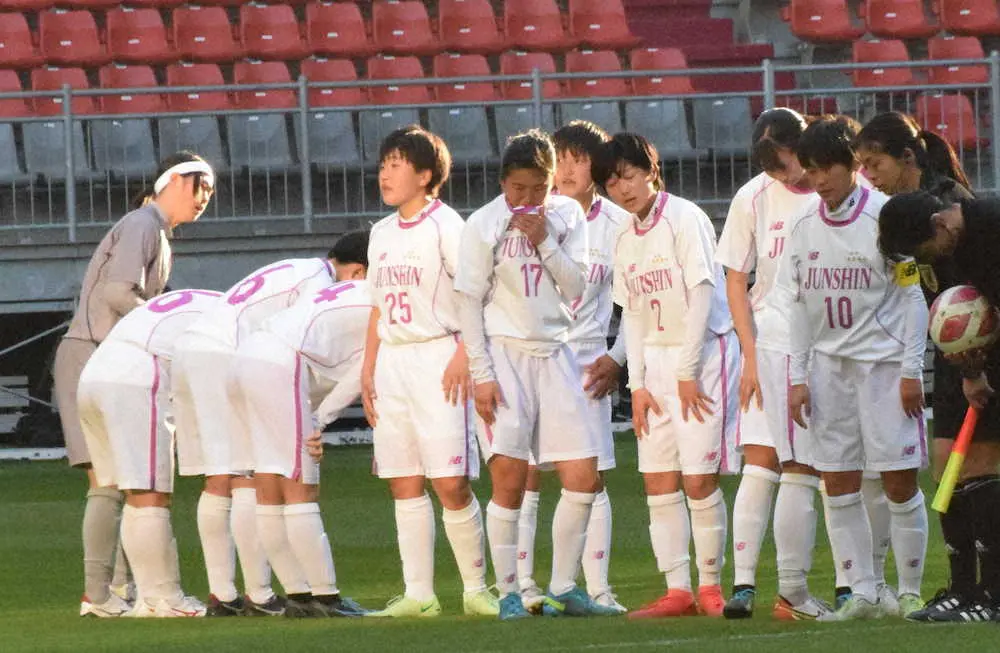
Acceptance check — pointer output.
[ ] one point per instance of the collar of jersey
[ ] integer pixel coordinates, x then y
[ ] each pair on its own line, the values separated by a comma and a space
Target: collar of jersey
839, 217
424, 212
595, 208
655, 214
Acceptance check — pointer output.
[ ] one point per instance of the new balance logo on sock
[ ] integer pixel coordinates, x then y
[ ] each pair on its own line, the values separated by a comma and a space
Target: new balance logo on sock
740, 546
913, 563
598, 555
522, 555
478, 563
510, 579
847, 564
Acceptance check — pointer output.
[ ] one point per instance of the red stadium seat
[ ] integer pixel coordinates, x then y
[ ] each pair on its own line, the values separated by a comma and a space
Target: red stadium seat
972, 17
463, 65
52, 79
337, 29
897, 19
536, 25
403, 27
26, 5
13, 107
120, 76
92, 5
270, 32
595, 61
950, 116
156, 4
138, 35
874, 52
397, 68
660, 59
522, 63
318, 69
957, 47
821, 21
196, 74
71, 38
17, 43
469, 26
263, 72
205, 34
601, 24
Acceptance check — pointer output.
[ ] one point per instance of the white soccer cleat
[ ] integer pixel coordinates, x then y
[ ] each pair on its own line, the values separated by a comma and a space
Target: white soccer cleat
810, 609
608, 600
125, 592
115, 606
888, 600
187, 606
142, 609
533, 598
855, 608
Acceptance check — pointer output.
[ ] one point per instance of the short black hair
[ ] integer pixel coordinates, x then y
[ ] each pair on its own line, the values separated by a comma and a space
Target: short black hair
627, 148
904, 222
424, 150
775, 130
531, 150
352, 247
580, 138
829, 141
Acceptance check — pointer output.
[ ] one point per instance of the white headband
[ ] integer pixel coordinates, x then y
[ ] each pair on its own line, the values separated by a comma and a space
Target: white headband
185, 168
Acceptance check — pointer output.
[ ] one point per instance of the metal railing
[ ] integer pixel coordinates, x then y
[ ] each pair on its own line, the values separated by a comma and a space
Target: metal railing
304, 163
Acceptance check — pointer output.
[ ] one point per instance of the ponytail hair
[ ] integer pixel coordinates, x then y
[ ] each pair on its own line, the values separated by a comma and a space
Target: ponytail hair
147, 194
942, 159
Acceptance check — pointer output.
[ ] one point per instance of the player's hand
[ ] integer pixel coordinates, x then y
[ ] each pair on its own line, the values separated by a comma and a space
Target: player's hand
977, 391
800, 404
532, 225
693, 400
489, 398
971, 362
456, 382
750, 385
314, 445
368, 396
601, 377
911, 391
642, 403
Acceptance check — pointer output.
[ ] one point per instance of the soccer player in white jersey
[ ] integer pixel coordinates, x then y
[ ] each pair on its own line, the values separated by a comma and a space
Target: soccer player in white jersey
682, 362
761, 217
126, 419
858, 332
213, 439
295, 375
577, 145
522, 260
416, 375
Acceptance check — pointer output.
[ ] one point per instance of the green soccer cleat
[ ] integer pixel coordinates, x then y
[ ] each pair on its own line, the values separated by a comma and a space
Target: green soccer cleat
855, 608
404, 606
483, 603
909, 603
577, 603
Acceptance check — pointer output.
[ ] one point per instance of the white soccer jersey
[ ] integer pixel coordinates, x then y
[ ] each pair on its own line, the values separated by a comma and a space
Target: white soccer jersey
592, 312
656, 264
272, 288
413, 266
155, 325
761, 217
521, 299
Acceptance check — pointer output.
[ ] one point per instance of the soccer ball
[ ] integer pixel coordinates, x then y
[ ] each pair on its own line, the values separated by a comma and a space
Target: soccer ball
961, 319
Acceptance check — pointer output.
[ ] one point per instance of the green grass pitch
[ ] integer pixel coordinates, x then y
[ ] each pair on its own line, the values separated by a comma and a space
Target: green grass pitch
41, 506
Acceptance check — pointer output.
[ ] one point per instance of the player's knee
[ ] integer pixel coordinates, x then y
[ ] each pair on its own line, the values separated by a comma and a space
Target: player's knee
662, 483
900, 486
454, 492
841, 483
580, 475
761, 456
218, 485
700, 486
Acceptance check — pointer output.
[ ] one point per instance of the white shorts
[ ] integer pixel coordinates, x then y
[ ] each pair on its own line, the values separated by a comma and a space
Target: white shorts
545, 414
274, 384
418, 432
125, 415
212, 435
693, 447
773, 426
857, 419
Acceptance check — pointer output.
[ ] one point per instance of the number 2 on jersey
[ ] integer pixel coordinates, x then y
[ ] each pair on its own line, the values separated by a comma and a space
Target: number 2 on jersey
845, 313
399, 307
658, 309
532, 273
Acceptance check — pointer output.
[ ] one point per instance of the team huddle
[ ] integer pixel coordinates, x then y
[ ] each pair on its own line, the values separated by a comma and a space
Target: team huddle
488, 338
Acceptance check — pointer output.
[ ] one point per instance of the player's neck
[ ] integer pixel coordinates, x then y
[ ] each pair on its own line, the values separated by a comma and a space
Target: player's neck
411, 207
586, 199
836, 204
643, 213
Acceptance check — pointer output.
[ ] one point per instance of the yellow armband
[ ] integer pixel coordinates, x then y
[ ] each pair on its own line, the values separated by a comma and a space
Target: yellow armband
907, 273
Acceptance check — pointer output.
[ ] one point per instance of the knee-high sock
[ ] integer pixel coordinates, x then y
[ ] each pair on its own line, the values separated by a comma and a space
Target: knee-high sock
708, 529
101, 531
415, 534
795, 534
909, 541
307, 536
148, 540
467, 536
597, 549
253, 560
851, 537
278, 548
839, 580
985, 494
569, 535
527, 524
751, 510
217, 545
123, 572
670, 533
877, 505
501, 530
959, 532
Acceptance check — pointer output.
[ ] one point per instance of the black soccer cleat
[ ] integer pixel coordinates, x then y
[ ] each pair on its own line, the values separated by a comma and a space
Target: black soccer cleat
946, 606
275, 607
217, 608
740, 604
337, 606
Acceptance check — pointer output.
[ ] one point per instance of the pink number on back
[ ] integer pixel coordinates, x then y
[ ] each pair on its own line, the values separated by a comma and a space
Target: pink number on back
330, 293
252, 285
170, 301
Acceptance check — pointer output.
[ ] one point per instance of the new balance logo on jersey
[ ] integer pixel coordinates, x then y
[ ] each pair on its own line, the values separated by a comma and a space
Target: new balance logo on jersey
455, 460
711, 456
813, 255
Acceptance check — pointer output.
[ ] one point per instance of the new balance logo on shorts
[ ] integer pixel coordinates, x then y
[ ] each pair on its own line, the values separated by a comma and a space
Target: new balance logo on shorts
910, 450
455, 460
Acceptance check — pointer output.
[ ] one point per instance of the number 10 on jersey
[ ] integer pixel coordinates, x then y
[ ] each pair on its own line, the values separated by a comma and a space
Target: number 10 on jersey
841, 316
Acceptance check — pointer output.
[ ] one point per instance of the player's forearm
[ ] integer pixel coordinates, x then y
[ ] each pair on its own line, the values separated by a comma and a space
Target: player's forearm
474, 337
343, 395
372, 342
567, 273
801, 343
122, 297
739, 306
632, 326
619, 350
696, 324
915, 333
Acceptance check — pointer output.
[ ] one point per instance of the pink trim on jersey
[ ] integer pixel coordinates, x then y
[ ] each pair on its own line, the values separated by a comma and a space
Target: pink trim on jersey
791, 422
854, 216
595, 210
723, 458
427, 210
297, 406
489, 434
437, 281
739, 427
753, 215
658, 207
329, 269
922, 431
154, 418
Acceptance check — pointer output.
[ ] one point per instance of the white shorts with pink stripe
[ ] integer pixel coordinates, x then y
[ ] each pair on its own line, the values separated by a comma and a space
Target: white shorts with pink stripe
692, 447
273, 383
123, 400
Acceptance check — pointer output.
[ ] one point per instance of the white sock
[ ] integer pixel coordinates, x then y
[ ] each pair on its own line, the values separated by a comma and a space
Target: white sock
148, 541
569, 534
708, 528
751, 510
101, 532
877, 505
597, 548
123, 572
253, 560
415, 534
795, 534
501, 530
851, 536
278, 548
527, 524
217, 545
304, 528
839, 580
909, 541
670, 533
466, 535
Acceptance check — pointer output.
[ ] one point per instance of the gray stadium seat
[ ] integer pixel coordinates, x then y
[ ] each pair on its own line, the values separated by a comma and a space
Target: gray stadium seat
259, 142
723, 126
665, 123
10, 168
603, 114
514, 119
123, 148
466, 131
332, 141
45, 150
376, 125
197, 133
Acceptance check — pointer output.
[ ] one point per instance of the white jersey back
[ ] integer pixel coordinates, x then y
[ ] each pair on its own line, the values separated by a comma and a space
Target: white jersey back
761, 217
854, 306
328, 327
155, 325
499, 264
592, 312
260, 295
655, 266
413, 266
